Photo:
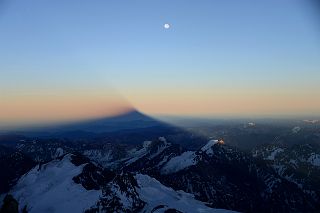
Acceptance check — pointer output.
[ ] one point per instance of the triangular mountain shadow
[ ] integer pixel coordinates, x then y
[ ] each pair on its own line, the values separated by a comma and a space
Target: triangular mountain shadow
132, 119
132, 127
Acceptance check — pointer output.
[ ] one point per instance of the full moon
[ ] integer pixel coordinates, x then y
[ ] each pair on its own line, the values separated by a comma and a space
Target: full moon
166, 26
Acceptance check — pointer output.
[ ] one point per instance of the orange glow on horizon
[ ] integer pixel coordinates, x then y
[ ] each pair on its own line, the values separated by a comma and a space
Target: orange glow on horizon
222, 102
73, 106
60, 108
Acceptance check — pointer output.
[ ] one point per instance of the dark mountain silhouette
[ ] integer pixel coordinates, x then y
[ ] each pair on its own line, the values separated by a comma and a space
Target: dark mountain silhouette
13, 164
87, 128
128, 123
131, 127
129, 120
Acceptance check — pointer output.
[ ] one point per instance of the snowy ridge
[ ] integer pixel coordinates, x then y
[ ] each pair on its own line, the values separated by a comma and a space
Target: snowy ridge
146, 150
59, 153
180, 162
68, 185
153, 183
104, 158
160, 148
50, 188
208, 147
137, 154
160, 198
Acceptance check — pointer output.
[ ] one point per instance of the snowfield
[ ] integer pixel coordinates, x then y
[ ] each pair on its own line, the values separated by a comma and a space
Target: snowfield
162, 198
137, 154
208, 147
51, 189
180, 162
186, 159
104, 158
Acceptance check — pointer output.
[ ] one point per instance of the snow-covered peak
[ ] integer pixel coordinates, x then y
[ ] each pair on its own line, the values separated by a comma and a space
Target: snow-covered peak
208, 147
163, 139
146, 144
59, 153
50, 188
67, 185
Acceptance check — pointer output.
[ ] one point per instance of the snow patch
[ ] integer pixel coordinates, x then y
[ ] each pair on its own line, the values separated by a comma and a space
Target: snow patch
102, 157
180, 162
296, 129
146, 144
314, 159
208, 147
274, 153
59, 153
135, 154
163, 139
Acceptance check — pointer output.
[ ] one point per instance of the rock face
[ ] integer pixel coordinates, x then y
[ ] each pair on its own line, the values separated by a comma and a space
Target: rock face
10, 205
224, 177
298, 164
13, 164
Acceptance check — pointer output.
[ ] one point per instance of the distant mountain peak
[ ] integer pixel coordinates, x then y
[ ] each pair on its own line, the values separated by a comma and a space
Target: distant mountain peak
132, 114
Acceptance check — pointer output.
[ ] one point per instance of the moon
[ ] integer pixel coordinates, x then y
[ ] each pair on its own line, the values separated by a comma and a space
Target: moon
166, 26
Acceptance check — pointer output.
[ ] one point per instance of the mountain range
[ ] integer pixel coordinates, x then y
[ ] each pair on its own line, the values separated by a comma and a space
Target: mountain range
155, 167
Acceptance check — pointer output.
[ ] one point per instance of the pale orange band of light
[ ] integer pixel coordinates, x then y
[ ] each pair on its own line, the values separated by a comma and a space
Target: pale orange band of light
219, 103
47, 109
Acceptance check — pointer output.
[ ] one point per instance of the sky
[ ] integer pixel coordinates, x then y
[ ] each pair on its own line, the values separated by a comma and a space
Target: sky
70, 59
